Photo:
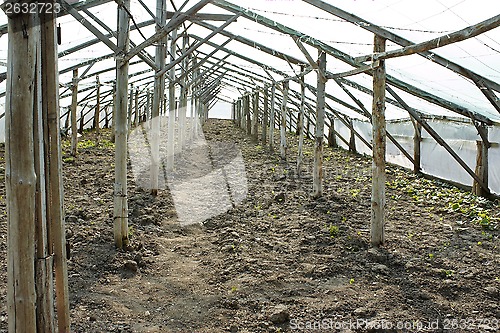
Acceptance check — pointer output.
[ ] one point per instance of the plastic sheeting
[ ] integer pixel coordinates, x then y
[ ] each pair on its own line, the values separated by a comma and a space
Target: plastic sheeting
435, 160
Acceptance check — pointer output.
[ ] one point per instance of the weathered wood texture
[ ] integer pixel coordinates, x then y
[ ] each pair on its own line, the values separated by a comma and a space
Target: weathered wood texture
320, 128
379, 148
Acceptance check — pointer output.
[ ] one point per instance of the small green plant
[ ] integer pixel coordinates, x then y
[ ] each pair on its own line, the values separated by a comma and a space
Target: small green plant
333, 230
84, 144
131, 231
448, 273
106, 144
233, 290
69, 159
351, 281
431, 256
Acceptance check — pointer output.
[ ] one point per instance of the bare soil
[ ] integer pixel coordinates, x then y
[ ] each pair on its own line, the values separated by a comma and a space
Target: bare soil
280, 261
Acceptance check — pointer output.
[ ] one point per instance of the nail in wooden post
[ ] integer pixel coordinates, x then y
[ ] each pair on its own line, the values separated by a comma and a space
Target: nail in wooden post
379, 147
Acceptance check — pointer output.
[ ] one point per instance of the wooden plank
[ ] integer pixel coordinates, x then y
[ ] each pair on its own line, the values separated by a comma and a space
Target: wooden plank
120, 212
320, 129
20, 178
379, 148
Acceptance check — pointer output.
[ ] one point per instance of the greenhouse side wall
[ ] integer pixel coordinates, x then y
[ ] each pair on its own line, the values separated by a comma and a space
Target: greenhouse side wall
435, 160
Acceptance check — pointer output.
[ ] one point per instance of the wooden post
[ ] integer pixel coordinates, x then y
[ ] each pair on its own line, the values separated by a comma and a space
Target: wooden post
247, 113
352, 138
53, 165
482, 163
283, 147
106, 120
320, 128
97, 115
130, 106
255, 119
183, 96
136, 107
158, 96
74, 101
171, 106
272, 118
148, 106
332, 141
379, 147
265, 117
20, 179
417, 139
300, 123
82, 119
120, 190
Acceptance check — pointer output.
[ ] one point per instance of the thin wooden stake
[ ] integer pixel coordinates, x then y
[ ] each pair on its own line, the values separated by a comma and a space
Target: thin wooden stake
300, 124
74, 100
482, 164
255, 118
97, 116
272, 118
379, 147
283, 147
417, 139
265, 117
320, 129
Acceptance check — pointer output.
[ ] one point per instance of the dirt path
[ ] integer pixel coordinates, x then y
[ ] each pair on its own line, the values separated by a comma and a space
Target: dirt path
278, 261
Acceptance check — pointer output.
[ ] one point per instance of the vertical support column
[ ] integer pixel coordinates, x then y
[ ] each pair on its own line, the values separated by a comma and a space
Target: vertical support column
130, 106
97, 115
332, 140
482, 163
352, 138
300, 123
120, 213
158, 95
417, 139
171, 106
247, 113
183, 96
379, 147
283, 121
136, 107
20, 179
320, 128
53, 165
74, 101
265, 117
272, 118
148, 107
255, 119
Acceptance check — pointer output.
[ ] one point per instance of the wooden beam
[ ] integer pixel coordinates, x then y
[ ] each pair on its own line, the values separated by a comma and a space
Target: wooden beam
172, 24
441, 41
359, 70
379, 148
320, 128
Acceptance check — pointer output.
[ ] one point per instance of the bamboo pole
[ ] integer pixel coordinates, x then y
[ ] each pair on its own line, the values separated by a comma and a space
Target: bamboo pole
320, 128
55, 210
283, 147
379, 147
74, 99
158, 95
171, 106
120, 191
97, 116
300, 124
20, 176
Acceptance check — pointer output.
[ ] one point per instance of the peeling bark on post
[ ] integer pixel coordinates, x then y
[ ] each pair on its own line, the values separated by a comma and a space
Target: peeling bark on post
120, 190
20, 179
283, 147
74, 100
320, 129
379, 147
